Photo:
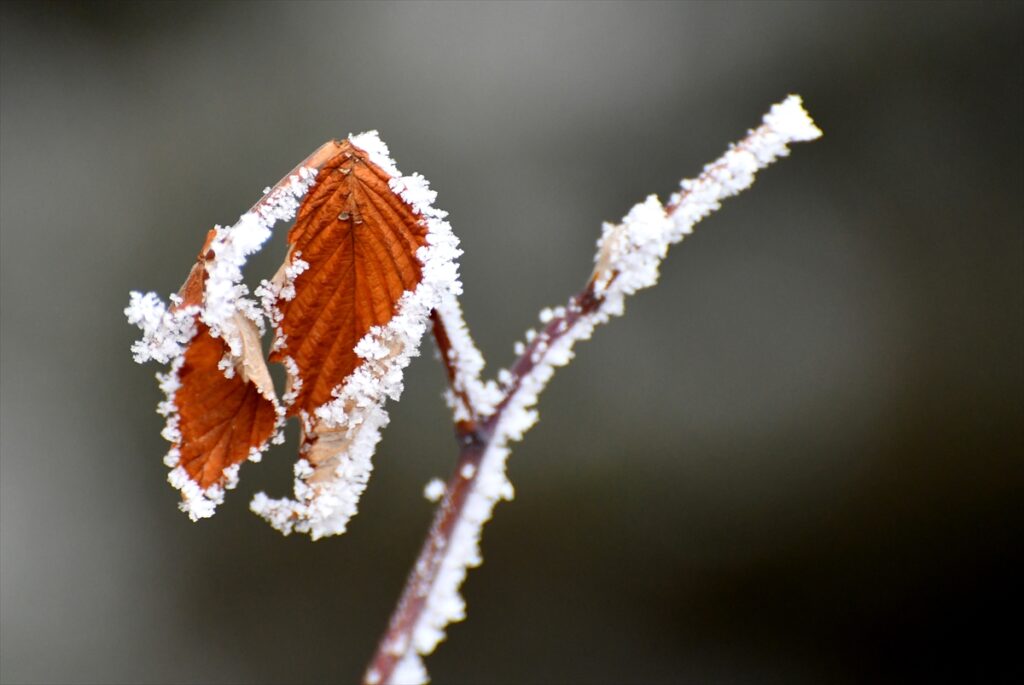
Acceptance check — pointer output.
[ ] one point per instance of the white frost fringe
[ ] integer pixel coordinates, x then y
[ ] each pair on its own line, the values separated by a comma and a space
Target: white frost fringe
326, 496
166, 332
468, 363
627, 260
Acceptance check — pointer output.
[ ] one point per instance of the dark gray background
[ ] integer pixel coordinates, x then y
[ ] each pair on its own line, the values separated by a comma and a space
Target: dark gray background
796, 459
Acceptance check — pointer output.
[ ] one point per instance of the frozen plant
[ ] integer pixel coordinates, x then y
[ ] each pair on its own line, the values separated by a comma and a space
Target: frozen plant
371, 265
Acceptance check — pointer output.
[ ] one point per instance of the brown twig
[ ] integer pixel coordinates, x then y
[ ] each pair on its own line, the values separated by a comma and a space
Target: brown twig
474, 439
627, 261
467, 426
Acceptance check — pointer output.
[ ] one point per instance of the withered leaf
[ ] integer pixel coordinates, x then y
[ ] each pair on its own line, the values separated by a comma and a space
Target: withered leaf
359, 239
221, 419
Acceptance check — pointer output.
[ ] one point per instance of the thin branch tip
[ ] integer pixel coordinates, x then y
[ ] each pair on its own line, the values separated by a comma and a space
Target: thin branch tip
628, 257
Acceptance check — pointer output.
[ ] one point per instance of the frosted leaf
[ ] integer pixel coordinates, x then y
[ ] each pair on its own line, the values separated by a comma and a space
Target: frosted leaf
342, 423
210, 336
210, 440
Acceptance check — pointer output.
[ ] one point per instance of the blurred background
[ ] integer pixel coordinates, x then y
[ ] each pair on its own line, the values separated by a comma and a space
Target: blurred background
797, 459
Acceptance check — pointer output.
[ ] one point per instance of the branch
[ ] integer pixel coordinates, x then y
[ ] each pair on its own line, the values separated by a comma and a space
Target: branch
489, 416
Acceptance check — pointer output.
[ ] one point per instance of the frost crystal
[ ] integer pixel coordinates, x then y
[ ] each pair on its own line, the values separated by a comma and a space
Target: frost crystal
629, 253
165, 332
224, 293
434, 490
468, 364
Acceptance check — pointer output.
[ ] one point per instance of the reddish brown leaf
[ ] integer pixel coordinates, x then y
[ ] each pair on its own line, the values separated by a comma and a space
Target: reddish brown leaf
221, 419
360, 241
191, 292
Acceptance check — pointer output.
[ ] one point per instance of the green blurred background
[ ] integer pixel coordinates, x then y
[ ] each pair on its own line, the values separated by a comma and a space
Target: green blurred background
795, 460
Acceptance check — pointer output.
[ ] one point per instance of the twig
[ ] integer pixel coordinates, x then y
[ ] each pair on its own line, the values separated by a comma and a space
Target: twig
487, 419
475, 438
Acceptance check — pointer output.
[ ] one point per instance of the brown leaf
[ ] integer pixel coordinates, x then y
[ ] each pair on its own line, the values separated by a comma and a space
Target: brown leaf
191, 293
221, 420
360, 241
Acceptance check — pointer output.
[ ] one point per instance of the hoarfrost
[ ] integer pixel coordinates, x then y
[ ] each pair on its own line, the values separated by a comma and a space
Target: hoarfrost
167, 332
468, 365
409, 671
224, 294
434, 490
347, 428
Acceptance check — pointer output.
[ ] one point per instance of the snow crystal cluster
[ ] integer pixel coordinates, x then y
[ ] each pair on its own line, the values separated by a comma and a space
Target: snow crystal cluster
434, 490
167, 331
629, 253
330, 480
627, 260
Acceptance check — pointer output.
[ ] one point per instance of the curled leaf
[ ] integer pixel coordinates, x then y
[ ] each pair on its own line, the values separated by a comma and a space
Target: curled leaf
369, 259
225, 413
221, 408
358, 239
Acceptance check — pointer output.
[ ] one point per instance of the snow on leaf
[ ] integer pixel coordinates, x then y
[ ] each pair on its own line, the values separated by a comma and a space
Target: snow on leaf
359, 240
376, 258
221, 408
221, 420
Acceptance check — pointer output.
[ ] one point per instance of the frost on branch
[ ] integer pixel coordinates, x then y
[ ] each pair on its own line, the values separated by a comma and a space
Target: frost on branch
469, 397
376, 259
630, 252
628, 257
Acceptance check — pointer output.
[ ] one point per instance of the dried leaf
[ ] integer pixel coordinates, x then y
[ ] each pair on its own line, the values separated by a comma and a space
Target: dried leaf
191, 292
222, 420
359, 240
369, 258
222, 406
